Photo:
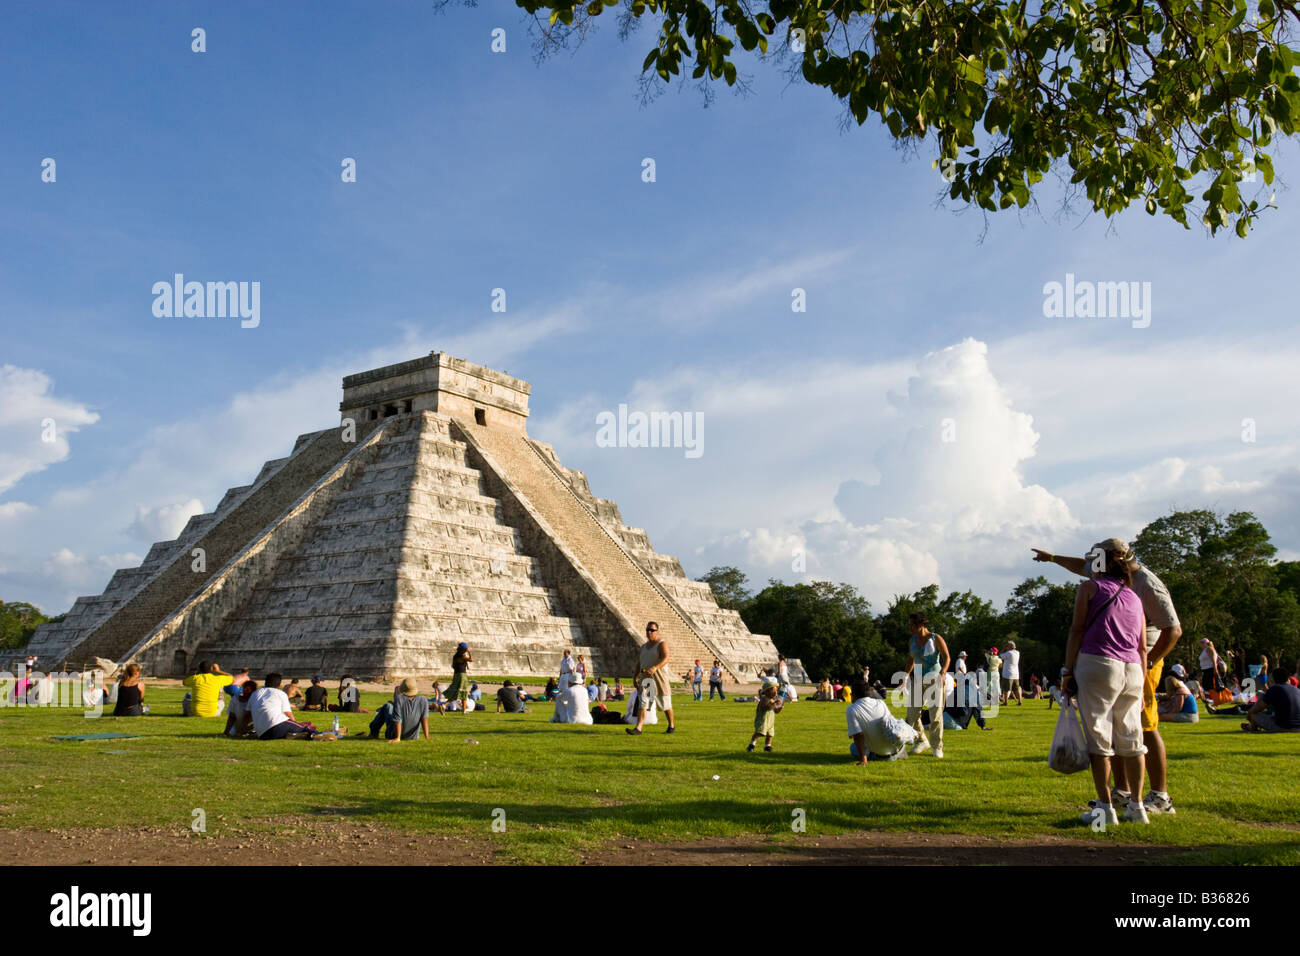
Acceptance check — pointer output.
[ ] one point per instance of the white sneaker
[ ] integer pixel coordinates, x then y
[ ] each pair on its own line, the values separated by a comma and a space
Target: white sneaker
921, 746
1136, 813
1156, 804
1105, 814
938, 753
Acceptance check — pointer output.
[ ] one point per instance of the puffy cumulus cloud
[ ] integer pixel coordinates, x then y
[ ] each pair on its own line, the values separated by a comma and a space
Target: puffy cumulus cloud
956, 453
34, 423
938, 494
164, 523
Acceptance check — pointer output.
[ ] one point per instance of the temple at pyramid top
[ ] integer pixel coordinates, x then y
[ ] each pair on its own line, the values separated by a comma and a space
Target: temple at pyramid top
439, 383
425, 518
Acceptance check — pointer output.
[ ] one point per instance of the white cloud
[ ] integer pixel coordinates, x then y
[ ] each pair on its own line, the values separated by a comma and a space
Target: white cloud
163, 523
34, 423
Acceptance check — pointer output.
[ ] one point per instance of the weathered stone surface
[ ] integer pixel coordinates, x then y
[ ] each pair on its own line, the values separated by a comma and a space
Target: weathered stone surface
440, 522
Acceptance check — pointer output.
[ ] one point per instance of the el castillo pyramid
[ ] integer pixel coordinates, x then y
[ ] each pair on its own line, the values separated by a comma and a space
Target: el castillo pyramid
428, 517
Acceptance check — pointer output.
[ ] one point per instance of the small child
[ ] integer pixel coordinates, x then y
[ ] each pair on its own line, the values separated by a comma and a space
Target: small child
768, 706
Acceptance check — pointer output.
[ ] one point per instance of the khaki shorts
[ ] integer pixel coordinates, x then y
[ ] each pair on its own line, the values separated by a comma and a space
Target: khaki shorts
1110, 702
1150, 718
648, 693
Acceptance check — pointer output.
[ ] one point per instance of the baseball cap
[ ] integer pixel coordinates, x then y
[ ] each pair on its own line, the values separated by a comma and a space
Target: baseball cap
1116, 544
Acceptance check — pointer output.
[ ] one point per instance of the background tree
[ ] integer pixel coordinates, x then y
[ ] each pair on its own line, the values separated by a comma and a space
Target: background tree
827, 626
728, 586
1225, 583
18, 622
1134, 101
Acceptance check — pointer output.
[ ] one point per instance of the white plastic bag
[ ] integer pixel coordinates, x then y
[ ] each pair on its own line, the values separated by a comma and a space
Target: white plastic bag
1069, 745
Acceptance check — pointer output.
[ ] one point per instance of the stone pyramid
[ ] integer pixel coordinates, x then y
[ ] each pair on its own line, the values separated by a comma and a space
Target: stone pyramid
429, 517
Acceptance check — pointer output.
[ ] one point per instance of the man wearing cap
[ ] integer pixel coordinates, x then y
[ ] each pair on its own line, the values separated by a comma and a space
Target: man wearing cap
1163, 632
403, 716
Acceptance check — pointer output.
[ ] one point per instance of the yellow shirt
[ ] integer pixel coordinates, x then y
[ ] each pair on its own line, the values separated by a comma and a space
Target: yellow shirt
205, 692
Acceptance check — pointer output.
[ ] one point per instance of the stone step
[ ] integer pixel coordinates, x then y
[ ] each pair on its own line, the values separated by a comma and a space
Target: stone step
614, 571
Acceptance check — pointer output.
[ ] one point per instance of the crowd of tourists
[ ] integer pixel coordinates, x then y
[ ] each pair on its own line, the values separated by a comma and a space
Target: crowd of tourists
1123, 629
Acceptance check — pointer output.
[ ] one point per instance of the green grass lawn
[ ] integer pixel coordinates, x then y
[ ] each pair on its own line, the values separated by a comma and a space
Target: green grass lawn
570, 787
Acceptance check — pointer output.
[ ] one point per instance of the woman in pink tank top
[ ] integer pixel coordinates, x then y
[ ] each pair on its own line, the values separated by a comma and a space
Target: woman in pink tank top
1105, 665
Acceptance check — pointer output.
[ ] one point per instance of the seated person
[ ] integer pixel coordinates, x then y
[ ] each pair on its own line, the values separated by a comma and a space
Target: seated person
652, 715
824, 691
239, 721
474, 693
510, 698
1283, 703
404, 716
272, 715
1178, 705
316, 697
436, 700
294, 693
618, 690
349, 696
876, 733
572, 706
130, 694
592, 692
552, 688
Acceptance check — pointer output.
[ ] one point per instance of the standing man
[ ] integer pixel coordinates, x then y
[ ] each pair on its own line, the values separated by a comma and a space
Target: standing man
1011, 672
652, 680
697, 681
1163, 632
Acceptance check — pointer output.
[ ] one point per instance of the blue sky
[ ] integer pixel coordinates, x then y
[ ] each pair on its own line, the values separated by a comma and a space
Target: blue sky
478, 170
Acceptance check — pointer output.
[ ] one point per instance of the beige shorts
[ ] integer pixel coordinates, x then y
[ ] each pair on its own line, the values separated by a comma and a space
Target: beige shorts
1110, 702
651, 695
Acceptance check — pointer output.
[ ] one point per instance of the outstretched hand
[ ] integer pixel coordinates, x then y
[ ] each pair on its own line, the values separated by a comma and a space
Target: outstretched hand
1041, 555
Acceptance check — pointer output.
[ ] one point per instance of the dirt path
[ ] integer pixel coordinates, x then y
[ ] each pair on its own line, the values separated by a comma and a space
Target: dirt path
335, 841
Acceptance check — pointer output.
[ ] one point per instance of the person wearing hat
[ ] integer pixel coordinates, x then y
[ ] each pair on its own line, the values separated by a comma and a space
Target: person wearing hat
459, 687
404, 716
1163, 632
317, 697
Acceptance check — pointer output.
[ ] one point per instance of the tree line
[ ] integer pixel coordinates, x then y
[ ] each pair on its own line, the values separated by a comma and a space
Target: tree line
1221, 571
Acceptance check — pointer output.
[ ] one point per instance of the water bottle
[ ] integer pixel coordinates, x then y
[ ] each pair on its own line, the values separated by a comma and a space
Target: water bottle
336, 723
